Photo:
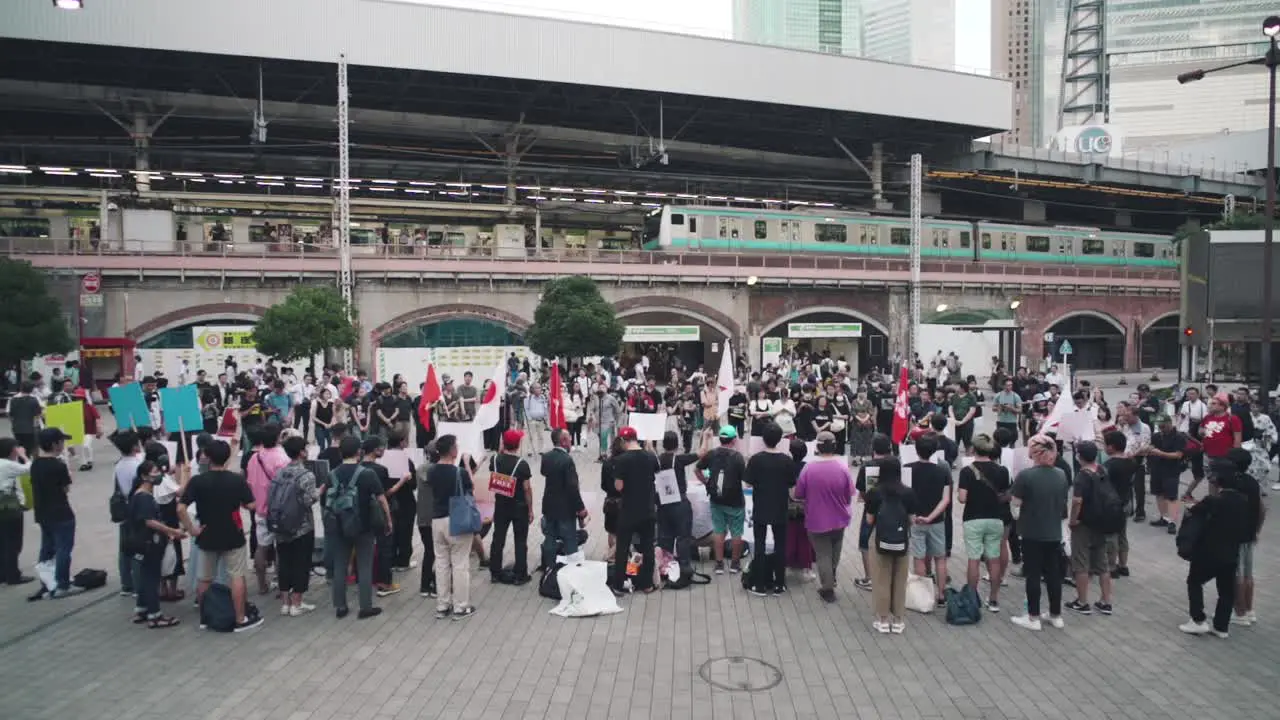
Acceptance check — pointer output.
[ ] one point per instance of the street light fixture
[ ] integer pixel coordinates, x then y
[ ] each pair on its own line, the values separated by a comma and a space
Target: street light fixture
1271, 29
69, 4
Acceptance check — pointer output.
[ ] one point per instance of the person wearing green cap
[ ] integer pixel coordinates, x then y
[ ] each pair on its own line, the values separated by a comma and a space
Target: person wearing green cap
725, 467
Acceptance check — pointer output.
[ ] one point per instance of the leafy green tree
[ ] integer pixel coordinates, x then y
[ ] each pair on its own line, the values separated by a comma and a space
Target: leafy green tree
574, 320
311, 320
1238, 221
31, 320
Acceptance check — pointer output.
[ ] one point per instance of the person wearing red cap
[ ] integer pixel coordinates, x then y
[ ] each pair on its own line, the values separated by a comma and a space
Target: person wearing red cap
509, 481
635, 472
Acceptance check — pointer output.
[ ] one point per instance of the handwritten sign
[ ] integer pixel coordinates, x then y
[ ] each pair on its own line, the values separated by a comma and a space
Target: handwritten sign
500, 484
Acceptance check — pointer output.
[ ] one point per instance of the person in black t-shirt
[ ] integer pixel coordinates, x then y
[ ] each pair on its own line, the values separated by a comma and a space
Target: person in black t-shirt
453, 565
984, 492
384, 551
675, 519
1164, 465
50, 484
932, 487
151, 535
771, 475
1121, 471
218, 495
635, 470
868, 475
510, 480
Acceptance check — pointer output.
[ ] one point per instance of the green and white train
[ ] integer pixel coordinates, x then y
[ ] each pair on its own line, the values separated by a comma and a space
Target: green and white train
727, 229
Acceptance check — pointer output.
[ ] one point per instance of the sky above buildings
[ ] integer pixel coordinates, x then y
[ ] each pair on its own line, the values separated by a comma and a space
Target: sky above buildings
714, 18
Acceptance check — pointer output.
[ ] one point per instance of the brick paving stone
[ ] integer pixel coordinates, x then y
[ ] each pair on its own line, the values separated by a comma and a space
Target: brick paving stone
81, 656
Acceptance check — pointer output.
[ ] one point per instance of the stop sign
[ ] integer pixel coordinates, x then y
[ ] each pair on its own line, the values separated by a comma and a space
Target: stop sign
91, 283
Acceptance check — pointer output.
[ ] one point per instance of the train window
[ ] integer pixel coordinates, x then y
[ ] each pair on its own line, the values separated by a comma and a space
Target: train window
940, 238
966, 239
825, 233
899, 236
762, 230
870, 235
693, 224
1008, 241
724, 227
1037, 243
1117, 248
435, 238
1093, 246
1144, 249
456, 239
986, 241
733, 230
677, 218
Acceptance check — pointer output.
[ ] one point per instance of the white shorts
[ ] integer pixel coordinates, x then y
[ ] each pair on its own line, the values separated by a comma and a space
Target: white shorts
265, 538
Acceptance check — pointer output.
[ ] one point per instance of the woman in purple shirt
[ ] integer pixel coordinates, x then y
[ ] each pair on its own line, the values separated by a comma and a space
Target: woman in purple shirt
826, 487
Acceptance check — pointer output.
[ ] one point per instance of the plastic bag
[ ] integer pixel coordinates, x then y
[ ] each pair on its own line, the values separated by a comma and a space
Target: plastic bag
921, 594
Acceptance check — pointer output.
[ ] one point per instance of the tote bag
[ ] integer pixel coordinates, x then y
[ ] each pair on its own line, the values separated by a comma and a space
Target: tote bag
464, 516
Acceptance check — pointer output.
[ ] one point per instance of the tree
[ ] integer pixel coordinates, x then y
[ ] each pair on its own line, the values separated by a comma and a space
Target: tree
1238, 221
308, 322
574, 320
31, 320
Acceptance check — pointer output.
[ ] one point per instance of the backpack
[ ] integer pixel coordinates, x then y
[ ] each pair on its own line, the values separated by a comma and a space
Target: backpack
549, 585
118, 505
286, 512
963, 606
1105, 511
217, 612
892, 531
88, 579
342, 505
1189, 533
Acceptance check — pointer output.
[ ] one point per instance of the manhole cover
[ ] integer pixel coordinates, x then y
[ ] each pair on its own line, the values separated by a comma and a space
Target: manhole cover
740, 674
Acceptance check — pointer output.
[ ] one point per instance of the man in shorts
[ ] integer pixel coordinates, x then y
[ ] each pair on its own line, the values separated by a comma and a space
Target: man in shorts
219, 494
1093, 542
725, 467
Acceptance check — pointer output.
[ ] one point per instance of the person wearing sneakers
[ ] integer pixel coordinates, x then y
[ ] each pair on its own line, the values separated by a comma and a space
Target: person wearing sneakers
294, 549
771, 474
1252, 490
984, 492
868, 476
510, 479
725, 468
1164, 467
1224, 518
1096, 517
1039, 504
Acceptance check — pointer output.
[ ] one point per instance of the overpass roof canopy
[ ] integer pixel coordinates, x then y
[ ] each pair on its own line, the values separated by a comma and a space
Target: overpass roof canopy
414, 58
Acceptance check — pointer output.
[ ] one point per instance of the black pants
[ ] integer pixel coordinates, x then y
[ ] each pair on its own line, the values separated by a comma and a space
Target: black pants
1140, 492
964, 435
1015, 542
769, 571
675, 533
406, 517
1224, 574
384, 556
302, 417
641, 531
427, 578
293, 562
10, 545
1197, 458
1042, 560
515, 517
27, 441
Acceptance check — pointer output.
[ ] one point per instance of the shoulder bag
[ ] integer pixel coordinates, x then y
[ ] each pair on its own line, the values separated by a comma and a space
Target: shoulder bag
464, 516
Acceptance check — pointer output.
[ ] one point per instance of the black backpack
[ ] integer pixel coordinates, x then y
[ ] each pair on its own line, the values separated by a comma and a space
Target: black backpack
892, 530
1189, 533
1105, 512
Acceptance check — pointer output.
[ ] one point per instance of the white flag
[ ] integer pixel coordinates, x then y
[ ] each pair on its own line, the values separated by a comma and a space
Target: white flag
724, 380
1060, 409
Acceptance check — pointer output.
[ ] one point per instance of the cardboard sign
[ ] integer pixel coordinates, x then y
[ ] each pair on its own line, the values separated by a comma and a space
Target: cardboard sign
500, 484
649, 426
180, 408
69, 418
129, 406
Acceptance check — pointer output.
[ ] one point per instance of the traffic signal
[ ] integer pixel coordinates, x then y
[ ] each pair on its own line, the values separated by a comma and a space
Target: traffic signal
1188, 331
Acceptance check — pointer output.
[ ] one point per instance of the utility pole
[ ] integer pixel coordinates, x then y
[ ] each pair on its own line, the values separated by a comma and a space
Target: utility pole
344, 200
917, 169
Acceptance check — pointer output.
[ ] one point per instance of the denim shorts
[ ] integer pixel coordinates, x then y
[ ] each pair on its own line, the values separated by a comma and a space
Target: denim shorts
929, 541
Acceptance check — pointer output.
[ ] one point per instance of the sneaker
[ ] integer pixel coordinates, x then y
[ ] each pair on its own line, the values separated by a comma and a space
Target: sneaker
342, 612
942, 602
1123, 570
735, 567
828, 596
442, 613
1275, 486
1218, 633
758, 592
1191, 627
993, 606
862, 583
779, 589
1140, 516
124, 592
897, 628
1104, 608
370, 613
428, 593
1158, 522
1173, 529
385, 590
284, 610
249, 623
1080, 607
1243, 620
880, 627
1026, 621
719, 568
464, 612
1057, 621
301, 609
1253, 617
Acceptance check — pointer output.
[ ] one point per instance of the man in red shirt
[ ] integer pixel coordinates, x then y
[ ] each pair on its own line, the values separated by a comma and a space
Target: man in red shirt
1220, 431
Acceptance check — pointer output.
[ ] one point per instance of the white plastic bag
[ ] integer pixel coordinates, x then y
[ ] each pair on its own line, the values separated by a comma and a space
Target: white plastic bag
921, 594
46, 572
169, 563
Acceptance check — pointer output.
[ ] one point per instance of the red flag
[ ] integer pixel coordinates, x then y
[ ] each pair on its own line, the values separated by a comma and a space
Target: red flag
556, 401
430, 394
901, 421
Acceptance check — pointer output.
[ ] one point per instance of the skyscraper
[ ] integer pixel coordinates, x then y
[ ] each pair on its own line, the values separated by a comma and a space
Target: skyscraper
915, 32
1026, 48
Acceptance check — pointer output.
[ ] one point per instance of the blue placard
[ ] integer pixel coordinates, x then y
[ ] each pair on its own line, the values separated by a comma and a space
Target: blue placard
180, 407
129, 406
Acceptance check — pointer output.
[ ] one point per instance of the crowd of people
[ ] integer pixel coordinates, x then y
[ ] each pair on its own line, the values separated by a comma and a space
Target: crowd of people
803, 445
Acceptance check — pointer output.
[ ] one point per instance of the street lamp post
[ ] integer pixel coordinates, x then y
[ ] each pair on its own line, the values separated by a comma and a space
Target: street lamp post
1271, 29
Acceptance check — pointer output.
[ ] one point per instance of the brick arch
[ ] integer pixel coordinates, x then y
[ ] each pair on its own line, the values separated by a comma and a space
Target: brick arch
193, 314
680, 306
1037, 313
436, 313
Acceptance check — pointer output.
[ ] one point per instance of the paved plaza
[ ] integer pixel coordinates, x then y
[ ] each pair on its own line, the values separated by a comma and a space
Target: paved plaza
707, 652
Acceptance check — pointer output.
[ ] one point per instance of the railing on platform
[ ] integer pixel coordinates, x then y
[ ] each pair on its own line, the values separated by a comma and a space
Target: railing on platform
385, 258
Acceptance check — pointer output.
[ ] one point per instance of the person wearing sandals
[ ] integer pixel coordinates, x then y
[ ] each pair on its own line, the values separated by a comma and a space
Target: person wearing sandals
149, 536
452, 552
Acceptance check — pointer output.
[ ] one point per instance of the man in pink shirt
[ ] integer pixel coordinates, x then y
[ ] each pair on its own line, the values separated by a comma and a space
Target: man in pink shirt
266, 460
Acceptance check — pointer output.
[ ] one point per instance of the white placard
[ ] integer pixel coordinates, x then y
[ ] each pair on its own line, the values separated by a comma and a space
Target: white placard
1076, 426
907, 454
649, 426
470, 438
396, 461
313, 452
667, 486
940, 458
966, 461
418, 456
171, 448
906, 476
872, 476
813, 449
